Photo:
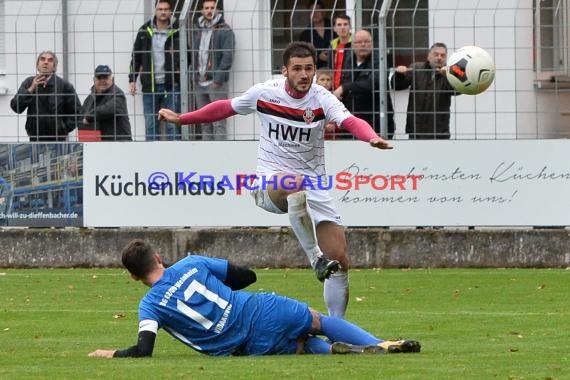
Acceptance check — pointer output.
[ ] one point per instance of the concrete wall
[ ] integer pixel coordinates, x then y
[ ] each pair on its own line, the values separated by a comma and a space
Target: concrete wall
277, 247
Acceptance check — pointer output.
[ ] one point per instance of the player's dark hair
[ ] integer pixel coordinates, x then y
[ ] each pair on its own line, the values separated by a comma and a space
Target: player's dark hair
138, 258
298, 49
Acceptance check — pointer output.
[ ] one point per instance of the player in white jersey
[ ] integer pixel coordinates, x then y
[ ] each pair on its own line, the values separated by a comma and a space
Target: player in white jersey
293, 112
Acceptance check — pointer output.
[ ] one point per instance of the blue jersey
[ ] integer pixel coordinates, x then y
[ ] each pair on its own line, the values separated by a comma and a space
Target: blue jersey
192, 303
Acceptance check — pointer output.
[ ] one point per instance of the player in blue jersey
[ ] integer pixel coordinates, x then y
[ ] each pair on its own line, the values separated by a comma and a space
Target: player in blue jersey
197, 300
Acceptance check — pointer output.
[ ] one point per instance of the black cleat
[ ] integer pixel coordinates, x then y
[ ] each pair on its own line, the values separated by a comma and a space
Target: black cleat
341, 348
401, 346
325, 267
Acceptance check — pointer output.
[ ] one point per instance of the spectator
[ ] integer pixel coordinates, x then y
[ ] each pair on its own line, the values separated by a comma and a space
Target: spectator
156, 61
360, 83
339, 46
320, 34
324, 78
5, 201
51, 101
105, 109
429, 101
214, 44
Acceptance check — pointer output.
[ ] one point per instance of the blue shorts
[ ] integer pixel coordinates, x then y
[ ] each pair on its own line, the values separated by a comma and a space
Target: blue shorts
281, 322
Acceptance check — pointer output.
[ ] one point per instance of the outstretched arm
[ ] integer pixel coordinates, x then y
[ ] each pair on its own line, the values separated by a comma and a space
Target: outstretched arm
364, 132
144, 347
217, 110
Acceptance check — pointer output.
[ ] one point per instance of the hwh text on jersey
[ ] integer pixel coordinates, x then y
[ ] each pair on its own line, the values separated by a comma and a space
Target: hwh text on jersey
287, 132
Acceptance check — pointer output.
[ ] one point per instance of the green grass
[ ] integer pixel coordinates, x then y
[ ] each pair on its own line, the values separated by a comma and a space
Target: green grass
472, 323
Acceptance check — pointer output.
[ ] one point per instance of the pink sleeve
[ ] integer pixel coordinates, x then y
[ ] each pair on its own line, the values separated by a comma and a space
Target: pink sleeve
359, 128
217, 110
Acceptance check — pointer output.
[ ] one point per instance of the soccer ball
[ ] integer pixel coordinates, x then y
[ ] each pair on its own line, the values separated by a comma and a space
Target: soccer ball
470, 70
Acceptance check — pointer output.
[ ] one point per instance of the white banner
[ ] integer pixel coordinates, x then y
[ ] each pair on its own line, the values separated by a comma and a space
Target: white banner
464, 183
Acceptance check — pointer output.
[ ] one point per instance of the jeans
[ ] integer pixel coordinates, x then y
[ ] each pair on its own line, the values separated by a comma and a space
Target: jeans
152, 103
206, 95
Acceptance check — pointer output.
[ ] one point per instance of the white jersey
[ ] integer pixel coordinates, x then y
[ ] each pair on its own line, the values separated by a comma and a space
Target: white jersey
292, 130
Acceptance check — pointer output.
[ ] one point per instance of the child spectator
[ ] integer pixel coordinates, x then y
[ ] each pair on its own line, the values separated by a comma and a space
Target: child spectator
324, 78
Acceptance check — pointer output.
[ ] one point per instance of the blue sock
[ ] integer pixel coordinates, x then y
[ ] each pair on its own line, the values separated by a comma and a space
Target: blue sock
340, 330
315, 345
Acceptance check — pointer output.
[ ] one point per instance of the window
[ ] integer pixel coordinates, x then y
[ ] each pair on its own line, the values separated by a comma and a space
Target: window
406, 31
551, 38
288, 20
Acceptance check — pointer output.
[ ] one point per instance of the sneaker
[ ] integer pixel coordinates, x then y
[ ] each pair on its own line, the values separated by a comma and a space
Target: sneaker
341, 348
325, 267
401, 346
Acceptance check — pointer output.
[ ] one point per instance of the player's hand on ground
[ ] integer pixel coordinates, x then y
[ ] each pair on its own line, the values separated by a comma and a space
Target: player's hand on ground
169, 115
102, 354
380, 143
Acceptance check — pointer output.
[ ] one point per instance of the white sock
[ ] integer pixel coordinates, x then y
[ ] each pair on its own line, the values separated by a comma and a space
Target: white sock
335, 292
303, 225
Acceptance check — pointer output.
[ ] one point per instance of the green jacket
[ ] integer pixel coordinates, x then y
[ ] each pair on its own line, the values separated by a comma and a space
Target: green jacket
142, 63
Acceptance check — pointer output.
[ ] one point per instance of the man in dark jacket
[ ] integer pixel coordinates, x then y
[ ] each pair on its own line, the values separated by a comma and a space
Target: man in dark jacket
213, 54
360, 81
320, 33
156, 61
105, 109
51, 101
429, 102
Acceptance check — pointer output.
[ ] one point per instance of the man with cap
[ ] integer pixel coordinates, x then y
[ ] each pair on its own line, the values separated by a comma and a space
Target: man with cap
105, 109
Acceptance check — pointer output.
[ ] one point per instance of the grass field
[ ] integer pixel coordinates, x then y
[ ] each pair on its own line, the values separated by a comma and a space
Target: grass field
472, 323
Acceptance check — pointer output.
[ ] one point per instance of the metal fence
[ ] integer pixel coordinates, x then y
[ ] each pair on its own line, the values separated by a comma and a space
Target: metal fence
527, 39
